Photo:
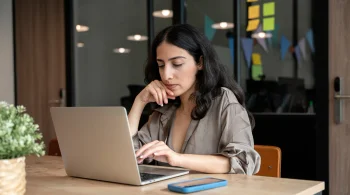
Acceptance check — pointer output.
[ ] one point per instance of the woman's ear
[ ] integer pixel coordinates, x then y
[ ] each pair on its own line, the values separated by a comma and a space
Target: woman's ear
200, 64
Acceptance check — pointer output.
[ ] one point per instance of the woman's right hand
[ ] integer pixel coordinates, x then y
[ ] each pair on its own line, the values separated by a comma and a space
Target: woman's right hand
157, 92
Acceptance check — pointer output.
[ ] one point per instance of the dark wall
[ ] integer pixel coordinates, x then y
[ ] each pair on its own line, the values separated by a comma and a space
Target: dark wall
295, 135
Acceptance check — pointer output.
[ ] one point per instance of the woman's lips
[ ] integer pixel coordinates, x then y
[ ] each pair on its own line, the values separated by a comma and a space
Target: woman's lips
173, 86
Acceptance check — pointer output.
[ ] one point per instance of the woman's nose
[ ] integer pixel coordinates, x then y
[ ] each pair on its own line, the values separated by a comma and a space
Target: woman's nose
168, 72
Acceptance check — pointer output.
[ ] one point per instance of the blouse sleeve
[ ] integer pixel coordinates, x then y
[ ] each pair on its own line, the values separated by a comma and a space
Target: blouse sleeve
237, 142
144, 135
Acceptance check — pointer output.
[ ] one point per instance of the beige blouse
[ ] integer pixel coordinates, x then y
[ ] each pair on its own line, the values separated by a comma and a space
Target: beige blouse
225, 130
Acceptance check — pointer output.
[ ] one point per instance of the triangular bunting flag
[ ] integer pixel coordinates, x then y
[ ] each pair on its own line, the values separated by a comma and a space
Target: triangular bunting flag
247, 45
259, 29
261, 41
231, 46
208, 30
301, 45
297, 53
310, 39
285, 43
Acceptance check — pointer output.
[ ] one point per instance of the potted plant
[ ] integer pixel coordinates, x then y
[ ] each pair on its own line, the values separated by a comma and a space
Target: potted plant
19, 137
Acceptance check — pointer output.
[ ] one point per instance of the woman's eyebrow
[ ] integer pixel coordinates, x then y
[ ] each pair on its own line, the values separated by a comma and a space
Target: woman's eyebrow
173, 58
176, 57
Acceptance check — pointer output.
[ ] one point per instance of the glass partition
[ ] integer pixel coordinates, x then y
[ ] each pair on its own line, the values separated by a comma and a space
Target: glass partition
276, 67
215, 20
276, 56
110, 53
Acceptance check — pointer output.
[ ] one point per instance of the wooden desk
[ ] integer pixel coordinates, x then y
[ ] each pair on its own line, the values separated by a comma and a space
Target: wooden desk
46, 175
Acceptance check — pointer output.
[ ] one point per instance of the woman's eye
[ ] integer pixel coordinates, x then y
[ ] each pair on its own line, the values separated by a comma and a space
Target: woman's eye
160, 65
177, 64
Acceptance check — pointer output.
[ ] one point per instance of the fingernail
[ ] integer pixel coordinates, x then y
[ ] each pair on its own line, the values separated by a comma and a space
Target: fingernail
155, 153
141, 156
162, 105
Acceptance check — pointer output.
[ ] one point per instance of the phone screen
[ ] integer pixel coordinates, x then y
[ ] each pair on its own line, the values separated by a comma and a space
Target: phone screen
198, 182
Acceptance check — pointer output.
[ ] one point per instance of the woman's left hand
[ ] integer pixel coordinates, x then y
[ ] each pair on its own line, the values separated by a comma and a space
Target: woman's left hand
159, 151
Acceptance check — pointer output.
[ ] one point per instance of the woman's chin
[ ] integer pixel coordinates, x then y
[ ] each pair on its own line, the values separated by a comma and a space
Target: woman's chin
179, 92
176, 94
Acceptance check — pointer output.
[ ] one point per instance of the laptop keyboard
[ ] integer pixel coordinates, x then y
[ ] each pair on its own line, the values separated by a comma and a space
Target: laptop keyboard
148, 176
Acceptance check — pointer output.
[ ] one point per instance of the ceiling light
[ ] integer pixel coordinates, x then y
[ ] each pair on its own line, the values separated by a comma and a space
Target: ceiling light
121, 50
165, 13
80, 44
137, 37
223, 25
261, 35
82, 28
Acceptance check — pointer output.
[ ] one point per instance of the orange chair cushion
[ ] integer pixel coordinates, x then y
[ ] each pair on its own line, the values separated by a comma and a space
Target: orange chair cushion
270, 160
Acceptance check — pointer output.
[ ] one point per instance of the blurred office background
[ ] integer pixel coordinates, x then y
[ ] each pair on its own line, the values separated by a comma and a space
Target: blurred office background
92, 53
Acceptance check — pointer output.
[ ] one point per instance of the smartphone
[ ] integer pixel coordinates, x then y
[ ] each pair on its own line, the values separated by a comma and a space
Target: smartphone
195, 185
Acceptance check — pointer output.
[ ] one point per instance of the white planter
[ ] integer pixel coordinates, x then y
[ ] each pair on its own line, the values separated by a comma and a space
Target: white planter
12, 176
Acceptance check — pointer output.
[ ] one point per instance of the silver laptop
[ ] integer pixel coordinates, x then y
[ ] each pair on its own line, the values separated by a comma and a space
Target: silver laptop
95, 143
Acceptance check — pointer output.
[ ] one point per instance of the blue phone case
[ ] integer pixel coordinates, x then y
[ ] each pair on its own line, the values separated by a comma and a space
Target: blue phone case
190, 189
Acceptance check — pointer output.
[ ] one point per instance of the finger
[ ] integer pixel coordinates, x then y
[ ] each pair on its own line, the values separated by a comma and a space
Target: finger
151, 153
160, 95
154, 93
165, 96
140, 160
156, 147
164, 93
159, 92
168, 91
145, 147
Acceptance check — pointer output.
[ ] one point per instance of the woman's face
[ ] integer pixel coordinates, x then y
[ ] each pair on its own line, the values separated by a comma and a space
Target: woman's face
177, 68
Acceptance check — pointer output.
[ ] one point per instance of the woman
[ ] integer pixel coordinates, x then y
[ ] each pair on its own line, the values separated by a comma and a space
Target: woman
201, 123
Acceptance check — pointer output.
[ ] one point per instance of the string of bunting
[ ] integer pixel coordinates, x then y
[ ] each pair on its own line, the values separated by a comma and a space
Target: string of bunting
268, 27
285, 47
261, 19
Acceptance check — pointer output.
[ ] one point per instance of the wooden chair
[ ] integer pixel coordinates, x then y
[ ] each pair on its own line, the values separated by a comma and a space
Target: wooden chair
270, 160
54, 148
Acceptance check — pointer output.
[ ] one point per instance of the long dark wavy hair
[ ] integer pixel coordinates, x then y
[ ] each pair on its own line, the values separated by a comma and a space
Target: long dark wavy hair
209, 80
